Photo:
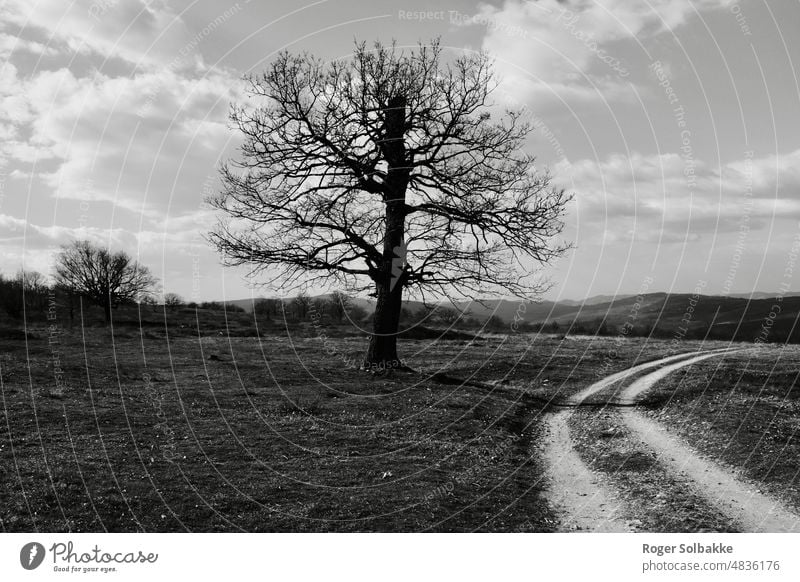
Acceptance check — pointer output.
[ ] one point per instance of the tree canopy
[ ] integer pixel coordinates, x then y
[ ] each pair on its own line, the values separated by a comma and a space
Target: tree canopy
387, 171
104, 278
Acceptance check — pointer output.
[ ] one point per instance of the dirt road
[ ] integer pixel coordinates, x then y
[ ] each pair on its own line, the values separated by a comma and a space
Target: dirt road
585, 500
588, 502
734, 496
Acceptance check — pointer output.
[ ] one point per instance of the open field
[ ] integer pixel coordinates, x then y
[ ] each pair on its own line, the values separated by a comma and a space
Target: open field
147, 429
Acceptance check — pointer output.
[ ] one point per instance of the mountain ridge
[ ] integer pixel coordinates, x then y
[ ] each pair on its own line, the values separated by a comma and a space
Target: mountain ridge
506, 308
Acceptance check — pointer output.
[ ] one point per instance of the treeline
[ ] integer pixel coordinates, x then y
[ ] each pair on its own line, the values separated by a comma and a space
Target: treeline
28, 295
26, 292
337, 307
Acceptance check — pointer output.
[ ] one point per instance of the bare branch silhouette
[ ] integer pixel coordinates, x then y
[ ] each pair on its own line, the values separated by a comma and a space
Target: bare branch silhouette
386, 172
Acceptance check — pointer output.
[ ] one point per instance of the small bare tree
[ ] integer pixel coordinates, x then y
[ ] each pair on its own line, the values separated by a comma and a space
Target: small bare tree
302, 305
25, 292
35, 289
173, 301
338, 305
267, 308
447, 315
106, 279
387, 172
11, 296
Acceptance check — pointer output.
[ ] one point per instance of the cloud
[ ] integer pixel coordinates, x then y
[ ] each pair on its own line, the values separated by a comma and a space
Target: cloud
139, 31
127, 141
665, 198
773, 176
34, 236
36, 245
577, 50
10, 44
120, 153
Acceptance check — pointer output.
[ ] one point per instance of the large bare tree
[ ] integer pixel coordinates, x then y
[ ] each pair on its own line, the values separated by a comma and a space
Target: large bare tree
106, 279
386, 171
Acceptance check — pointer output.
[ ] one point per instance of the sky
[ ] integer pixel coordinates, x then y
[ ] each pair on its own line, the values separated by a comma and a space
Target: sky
675, 124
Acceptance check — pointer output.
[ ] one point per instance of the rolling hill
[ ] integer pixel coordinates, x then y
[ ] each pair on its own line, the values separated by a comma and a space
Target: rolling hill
664, 315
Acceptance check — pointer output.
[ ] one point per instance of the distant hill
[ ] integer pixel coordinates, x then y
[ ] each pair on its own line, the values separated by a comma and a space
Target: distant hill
595, 300
683, 316
759, 295
246, 304
667, 315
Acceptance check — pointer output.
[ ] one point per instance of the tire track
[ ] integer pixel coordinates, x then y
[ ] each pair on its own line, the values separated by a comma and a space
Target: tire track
583, 498
577, 399
586, 501
738, 499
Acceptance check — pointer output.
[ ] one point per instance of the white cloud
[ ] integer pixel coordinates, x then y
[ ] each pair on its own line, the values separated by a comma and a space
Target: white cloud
10, 44
650, 197
140, 31
134, 148
123, 140
36, 245
573, 49
37, 236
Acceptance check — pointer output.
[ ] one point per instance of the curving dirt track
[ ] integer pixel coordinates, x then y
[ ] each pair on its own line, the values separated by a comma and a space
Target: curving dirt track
585, 501
738, 499
589, 503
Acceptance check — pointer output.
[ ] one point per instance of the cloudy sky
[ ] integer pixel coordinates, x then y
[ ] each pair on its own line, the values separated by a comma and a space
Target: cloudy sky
676, 124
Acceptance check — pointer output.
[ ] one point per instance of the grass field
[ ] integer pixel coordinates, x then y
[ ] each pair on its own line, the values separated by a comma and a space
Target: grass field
185, 427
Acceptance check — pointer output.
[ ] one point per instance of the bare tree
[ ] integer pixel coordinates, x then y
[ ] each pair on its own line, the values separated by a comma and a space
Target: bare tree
338, 305
267, 308
320, 310
25, 293
104, 278
386, 172
11, 296
150, 301
302, 305
447, 315
67, 297
35, 289
32, 281
173, 301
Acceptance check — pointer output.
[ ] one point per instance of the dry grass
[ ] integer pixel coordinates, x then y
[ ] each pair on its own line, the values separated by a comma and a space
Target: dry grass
229, 434
212, 425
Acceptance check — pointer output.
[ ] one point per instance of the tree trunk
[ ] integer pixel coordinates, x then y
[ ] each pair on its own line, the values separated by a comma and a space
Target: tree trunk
107, 311
390, 279
382, 351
